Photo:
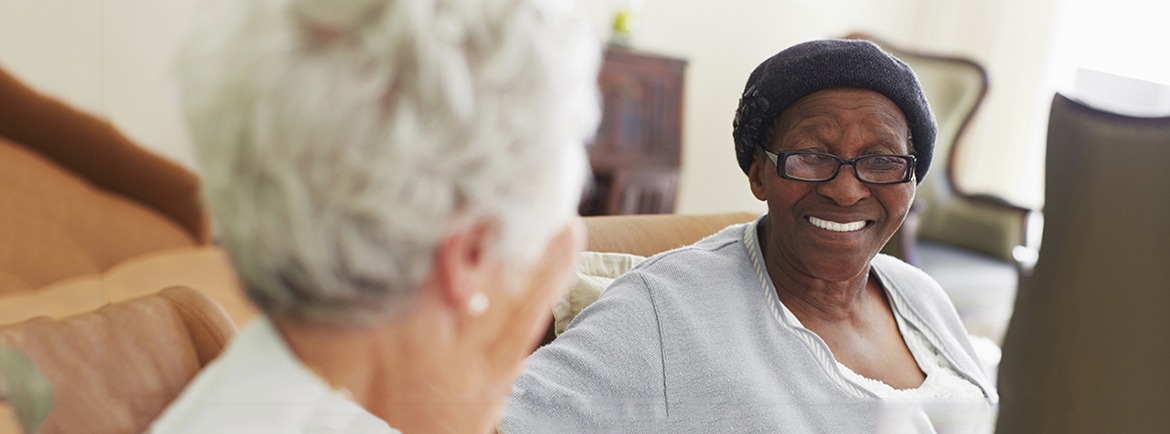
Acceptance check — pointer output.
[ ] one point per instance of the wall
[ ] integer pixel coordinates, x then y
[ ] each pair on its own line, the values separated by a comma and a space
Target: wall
111, 57
1003, 148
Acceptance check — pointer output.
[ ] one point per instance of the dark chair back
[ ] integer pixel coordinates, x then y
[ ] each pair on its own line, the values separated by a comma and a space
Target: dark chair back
1088, 347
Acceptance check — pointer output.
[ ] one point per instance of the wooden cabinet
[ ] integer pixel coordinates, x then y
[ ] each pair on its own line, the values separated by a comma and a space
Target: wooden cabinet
636, 154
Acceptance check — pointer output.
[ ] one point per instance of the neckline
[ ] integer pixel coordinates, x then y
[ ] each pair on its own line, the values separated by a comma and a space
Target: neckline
831, 367
789, 322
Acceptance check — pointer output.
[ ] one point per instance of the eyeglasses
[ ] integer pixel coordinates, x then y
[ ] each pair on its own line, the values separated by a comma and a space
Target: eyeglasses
818, 167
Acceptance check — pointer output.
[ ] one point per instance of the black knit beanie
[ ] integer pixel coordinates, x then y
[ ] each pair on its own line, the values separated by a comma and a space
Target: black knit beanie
811, 66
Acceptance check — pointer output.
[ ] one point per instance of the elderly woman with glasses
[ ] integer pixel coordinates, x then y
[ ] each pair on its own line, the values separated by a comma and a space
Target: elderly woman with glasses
794, 322
396, 182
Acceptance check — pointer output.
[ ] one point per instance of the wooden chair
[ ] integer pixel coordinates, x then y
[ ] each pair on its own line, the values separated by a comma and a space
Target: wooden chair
1088, 346
115, 369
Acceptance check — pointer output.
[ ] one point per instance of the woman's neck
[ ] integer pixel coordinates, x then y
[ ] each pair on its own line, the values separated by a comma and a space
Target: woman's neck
397, 370
809, 296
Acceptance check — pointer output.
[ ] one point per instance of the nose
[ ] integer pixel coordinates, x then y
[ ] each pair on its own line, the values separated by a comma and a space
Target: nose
844, 189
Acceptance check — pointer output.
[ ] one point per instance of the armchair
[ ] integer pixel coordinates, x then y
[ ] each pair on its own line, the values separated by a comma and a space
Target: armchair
945, 213
968, 242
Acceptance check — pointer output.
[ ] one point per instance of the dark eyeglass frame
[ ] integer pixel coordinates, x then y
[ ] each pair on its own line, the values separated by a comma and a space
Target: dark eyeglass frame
782, 157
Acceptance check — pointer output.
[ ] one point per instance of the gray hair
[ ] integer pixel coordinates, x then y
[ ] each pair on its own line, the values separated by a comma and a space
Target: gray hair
341, 140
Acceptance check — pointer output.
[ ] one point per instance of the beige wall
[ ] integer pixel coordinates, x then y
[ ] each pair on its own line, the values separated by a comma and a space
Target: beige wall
111, 57
723, 41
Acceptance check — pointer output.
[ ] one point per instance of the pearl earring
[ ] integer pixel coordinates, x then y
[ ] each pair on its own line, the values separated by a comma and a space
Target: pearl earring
477, 304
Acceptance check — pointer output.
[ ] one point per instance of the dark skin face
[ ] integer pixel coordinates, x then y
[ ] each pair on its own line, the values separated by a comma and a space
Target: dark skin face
848, 123
819, 237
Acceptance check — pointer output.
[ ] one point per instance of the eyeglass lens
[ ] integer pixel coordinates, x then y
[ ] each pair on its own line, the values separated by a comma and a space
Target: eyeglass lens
822, 167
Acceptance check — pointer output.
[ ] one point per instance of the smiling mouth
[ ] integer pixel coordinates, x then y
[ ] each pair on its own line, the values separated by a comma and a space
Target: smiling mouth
837, 227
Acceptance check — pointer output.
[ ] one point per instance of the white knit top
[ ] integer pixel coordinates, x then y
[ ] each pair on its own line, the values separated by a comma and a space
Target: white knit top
942, 382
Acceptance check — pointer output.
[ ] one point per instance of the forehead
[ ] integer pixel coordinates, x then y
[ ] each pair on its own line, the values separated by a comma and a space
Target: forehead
839, 111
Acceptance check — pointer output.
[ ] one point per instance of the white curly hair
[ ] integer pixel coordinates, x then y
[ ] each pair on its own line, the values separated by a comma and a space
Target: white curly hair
340, 140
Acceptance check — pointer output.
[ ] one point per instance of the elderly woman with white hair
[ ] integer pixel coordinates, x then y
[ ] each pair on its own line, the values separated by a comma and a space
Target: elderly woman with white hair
396, 183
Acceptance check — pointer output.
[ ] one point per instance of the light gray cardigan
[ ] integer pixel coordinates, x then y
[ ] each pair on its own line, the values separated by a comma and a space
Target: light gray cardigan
694, 340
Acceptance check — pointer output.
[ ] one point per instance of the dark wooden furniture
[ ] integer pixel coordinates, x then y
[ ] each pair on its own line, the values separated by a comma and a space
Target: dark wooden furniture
636, 154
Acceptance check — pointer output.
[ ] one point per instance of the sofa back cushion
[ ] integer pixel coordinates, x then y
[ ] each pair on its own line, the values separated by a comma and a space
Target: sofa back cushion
96, 151
55, 225
647, 235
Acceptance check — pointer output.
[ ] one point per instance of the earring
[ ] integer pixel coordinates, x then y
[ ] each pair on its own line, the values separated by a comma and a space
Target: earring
477, 304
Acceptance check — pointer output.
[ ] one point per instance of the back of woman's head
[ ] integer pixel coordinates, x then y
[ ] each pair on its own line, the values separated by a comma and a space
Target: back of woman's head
339, 141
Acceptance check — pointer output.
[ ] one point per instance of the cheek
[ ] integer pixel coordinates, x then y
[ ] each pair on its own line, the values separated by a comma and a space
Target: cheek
899, 202
780, 192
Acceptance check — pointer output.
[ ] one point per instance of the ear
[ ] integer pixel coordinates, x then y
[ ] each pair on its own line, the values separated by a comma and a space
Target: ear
459, 263
756, 176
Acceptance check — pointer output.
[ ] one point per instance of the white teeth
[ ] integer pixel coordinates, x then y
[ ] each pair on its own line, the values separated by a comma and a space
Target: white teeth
836, 227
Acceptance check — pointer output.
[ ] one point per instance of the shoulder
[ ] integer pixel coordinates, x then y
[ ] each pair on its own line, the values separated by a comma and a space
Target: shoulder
704, 259
212, 399
257, 385
919, 298
908, 279
916, 294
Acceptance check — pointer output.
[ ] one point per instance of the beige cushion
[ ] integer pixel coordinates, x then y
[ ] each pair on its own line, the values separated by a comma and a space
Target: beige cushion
650, 234
595, 271
206, 269
67, 297
59, 226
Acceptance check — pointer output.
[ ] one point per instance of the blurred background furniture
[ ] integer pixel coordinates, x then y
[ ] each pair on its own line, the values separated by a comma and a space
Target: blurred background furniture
115, 369
77, 197
637, 151
1089, 344
968, 242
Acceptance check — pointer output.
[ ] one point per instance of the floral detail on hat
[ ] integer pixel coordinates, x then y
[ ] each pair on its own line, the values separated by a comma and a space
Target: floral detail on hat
749, 119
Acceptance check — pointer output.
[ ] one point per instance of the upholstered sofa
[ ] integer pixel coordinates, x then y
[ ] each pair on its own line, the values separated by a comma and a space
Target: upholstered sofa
112, 370
77, 197
89, 218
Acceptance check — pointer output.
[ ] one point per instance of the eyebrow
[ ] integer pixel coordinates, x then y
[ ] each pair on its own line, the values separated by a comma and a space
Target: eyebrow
886, 134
